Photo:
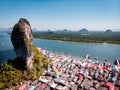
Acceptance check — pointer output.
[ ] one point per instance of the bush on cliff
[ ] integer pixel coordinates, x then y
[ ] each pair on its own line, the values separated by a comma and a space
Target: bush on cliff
14, 71
9, 75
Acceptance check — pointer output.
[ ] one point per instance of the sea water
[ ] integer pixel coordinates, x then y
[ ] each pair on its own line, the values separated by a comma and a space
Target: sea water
78, 49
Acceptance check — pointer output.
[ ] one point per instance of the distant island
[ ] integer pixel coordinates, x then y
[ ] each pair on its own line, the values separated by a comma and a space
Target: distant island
84, 30
82, 35
108, 31
64, 30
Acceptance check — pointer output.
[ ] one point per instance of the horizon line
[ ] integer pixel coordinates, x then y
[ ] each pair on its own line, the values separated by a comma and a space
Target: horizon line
36, 29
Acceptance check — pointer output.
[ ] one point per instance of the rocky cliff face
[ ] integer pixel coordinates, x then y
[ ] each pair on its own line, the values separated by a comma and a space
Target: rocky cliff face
21, 38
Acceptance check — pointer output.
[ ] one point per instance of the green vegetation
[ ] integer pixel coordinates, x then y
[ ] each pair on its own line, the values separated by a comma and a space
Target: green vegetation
9, 75
90, 37
40, 63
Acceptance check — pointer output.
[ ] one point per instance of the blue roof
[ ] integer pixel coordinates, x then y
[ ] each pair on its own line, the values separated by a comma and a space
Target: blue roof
57, 79
32, 88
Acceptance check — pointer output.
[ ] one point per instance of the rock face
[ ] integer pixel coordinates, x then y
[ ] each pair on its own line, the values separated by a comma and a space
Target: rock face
21, 38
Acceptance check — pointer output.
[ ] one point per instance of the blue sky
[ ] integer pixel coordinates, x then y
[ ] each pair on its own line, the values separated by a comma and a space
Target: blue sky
62, 14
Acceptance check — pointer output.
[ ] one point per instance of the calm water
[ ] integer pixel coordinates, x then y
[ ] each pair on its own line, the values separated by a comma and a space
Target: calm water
102, 51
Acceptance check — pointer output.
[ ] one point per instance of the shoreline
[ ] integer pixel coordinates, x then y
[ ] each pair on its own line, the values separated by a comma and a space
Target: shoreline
80, 42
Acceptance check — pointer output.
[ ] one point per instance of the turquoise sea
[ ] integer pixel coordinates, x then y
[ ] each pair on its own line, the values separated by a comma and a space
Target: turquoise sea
101, 51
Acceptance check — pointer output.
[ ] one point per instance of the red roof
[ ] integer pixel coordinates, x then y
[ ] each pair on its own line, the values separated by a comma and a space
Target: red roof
100, 67
80, 77
110, 85
22, 87
43, 85
90, 65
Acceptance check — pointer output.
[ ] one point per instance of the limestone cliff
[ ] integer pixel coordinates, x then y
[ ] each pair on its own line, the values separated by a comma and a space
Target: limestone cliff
29, 63
21, 38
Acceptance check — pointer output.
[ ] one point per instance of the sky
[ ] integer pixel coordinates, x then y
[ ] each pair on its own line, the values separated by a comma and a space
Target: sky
62, 14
